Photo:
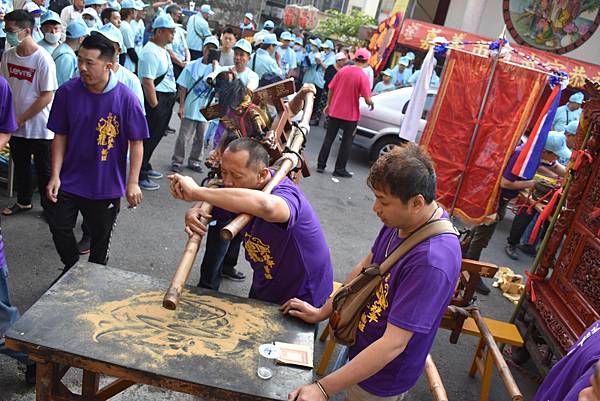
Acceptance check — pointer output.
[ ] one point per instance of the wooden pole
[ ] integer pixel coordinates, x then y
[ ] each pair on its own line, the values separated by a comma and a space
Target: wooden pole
173, 294
287, 162
503, 370
435, 381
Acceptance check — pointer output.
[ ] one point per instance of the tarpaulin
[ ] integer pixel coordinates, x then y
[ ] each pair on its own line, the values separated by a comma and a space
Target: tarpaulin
513, 94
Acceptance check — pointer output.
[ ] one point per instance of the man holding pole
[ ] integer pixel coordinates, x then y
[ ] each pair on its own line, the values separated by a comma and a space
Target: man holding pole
284, 242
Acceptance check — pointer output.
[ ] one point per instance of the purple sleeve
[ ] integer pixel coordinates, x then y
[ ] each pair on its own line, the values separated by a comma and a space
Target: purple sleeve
414, 309
136, 127
8, 123
509, 166
580, 384
221, 214
58, 121
291, 196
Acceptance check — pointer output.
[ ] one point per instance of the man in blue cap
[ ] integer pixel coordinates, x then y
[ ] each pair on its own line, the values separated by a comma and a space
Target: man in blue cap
198, 30
155, 69
52, 30
400, 73
180, 54
287, 56
568, 112
64, 56
194, 94
385, 85
98, 6
267, 28
410, 56
131, 57
315, 74
138, 24
262, 62
241, 56
328, 53
248, 23
571, 132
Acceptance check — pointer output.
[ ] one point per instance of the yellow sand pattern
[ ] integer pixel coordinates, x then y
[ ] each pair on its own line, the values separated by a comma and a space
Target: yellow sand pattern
202, 325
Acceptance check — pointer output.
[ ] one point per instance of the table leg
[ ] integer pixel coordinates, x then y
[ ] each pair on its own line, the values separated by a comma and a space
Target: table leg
478, 355
486, 376
90, 385
45, 381
329, 347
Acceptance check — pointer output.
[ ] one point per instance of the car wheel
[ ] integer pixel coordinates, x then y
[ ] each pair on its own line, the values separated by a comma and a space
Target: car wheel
384, 145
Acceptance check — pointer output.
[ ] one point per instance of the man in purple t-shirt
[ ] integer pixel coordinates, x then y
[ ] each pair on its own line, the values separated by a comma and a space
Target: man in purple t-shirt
284, 243
89, 152
398, 325
571, 375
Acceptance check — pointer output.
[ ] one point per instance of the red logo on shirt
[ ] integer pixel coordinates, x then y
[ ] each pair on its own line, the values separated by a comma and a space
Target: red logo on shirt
20, 72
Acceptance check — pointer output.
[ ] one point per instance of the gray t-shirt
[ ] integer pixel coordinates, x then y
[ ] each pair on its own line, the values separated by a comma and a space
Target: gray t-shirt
226, 59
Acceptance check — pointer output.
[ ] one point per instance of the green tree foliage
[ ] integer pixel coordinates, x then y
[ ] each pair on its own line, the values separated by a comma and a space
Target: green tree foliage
344, 27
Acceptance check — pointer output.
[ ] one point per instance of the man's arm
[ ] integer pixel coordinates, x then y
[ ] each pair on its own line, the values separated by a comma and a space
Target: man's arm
150, 91
175, 59
558, 169
58, 149
4, 138
182, 95
133, 193
364, 365
37, 106
516, 185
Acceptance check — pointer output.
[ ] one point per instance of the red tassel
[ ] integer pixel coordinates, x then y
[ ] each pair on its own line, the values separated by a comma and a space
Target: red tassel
548, 210
531, 278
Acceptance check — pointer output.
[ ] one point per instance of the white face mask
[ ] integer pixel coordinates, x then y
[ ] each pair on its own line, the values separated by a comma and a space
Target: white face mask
90, 23
52, 38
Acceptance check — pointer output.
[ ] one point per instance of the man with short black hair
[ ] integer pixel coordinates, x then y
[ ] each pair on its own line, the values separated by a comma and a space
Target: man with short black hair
111, 16
31, 75
178, 49
285, 244
263, 61
398, 325
228, 40
198, 30
52, 29
89, 152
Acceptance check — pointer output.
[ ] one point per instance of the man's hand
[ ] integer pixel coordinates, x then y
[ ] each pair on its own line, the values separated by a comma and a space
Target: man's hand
310, 392
326, 110
308, 88
20, 120
193, 225
181, 111
52, 189
183, 188
302, 310
133, 194
370, 104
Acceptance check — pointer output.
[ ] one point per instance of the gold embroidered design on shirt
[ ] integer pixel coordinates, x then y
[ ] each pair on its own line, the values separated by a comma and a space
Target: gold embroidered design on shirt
108, 130
380, 303
259, 252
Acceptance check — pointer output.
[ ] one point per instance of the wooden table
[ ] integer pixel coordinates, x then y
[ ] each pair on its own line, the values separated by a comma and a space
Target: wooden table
107, 321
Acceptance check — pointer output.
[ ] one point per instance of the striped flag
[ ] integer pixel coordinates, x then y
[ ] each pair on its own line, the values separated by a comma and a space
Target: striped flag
529, 159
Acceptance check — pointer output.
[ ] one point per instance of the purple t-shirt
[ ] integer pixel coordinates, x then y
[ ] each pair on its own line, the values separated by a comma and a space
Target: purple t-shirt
289, 260
8, 124
413, 296
572, 373
98, 128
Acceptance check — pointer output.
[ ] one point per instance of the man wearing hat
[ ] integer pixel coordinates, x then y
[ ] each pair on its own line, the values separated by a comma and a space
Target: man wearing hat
268, 28
64, 56
571, 132
345, 90
262, 61
36, 13
194, 94
510, 185
287, 56
315, 74
410, 56
385, 85
90, 18
52, 30
31, 75
131, 57
198, 30
138, 24
155, 69
328, 53
401, 73
178, 50
241, 56
568, 112
340, 62
248, 23
98, 6
72, 12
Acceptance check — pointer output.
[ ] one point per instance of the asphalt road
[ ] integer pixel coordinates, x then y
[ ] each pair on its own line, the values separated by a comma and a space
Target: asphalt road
150, 240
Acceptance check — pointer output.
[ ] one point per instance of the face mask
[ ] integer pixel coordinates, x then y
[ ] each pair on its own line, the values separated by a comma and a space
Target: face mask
90, 23
52, 38
13, 38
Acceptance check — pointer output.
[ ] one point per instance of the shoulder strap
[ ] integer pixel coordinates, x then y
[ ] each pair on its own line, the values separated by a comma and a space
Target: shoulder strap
254, 62
431, 229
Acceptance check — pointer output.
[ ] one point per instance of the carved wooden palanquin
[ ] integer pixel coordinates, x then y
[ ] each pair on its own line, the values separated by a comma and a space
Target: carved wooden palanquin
567, 300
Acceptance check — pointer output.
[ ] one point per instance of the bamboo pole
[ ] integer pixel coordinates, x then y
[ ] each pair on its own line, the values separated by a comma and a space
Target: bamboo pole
435, 381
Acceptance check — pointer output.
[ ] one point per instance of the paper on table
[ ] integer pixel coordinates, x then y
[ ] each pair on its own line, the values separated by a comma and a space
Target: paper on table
294, 354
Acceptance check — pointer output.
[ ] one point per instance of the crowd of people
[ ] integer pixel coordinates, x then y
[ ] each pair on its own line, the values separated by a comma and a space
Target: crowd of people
95, 84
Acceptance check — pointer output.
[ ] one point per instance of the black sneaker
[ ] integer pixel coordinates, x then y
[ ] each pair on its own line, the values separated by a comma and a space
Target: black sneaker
482, 288
527, 249
343, 173
511, 251
233, 275
84, 245
320, 169
197, 167
169, 130
176, 168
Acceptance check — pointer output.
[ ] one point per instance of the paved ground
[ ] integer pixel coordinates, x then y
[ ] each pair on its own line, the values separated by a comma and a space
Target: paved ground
150, 240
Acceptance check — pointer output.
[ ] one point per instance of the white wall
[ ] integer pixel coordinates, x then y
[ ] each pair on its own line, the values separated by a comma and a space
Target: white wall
463, 14
368, 7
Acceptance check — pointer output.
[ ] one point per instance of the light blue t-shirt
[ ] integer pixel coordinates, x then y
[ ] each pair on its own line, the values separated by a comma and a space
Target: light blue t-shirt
434, 83
381, 87
197, 31
138, 29
288, 59
315, 74
155, 61
7, 6
193, 79
130, 80
66, 63
47, 46
400, 78
563, 117
249, 78
179, 43
328, 59
264, 63
129, 42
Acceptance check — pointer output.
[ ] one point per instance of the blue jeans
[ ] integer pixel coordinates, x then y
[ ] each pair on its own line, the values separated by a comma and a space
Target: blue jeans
9, 314
219, 255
